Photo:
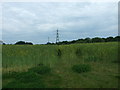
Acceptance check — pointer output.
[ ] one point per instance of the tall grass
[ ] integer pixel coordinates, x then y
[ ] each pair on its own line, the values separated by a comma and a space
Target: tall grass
61, 58
22, 57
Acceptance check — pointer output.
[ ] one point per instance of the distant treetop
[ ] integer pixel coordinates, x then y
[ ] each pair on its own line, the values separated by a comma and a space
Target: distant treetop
23, 43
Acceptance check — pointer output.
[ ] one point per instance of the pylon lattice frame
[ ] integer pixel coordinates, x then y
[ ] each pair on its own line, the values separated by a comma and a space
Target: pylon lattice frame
57, 37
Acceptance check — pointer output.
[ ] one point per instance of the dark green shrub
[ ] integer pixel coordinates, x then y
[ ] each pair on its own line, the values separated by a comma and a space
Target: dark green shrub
40, 69
117, 76
116, 61
59, 53
9, 75
78, 52
17, 84
26, 77
81, 68
40, 64
26, 80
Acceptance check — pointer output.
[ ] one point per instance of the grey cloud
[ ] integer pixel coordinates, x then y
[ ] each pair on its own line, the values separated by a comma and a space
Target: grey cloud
37, 21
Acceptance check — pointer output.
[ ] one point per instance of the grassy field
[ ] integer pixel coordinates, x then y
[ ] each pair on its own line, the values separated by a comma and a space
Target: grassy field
18, 61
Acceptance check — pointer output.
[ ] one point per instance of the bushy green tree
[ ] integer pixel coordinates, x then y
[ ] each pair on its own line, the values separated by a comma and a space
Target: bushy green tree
117, 38
97, 39
23, 43
20, 43
109, 39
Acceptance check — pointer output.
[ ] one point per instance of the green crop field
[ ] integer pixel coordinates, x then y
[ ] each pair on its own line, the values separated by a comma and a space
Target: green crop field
89, 65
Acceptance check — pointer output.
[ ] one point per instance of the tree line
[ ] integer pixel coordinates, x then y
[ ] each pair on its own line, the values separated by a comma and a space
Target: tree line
21, 43
86, 40
90, 40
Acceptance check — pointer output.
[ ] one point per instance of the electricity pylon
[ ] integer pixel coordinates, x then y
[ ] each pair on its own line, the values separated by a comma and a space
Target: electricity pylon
57, 37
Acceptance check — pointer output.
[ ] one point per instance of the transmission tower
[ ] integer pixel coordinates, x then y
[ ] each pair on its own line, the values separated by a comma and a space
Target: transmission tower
57, 37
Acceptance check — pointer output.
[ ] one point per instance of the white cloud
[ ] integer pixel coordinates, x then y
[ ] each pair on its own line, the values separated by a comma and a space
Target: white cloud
22, 12
48, 27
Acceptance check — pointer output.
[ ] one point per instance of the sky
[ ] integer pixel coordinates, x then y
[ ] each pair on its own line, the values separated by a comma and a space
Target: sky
36, 21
